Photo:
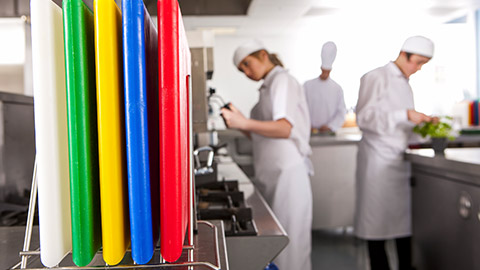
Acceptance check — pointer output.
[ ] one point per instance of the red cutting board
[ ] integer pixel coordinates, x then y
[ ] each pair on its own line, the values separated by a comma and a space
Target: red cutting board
174, 69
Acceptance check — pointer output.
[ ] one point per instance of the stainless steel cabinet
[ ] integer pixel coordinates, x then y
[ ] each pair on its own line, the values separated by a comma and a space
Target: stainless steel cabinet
446, 209
446, 229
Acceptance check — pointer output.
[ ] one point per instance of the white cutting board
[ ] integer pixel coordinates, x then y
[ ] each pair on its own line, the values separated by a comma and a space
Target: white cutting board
51, 131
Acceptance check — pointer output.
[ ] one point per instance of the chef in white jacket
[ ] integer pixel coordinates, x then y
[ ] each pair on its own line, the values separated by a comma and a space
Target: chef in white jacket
280, 130
386, 115
325, 99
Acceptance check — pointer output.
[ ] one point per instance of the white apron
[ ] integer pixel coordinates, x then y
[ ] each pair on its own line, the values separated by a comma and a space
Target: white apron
282, 165
383, 207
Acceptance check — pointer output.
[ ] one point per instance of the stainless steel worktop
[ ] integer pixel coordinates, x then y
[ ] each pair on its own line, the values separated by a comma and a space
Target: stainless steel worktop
451, 156
455, 161
462, 141
252, 252
238, 144
339, 139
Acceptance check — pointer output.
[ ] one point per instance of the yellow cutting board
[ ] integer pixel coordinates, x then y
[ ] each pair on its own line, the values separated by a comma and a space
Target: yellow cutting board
111, 131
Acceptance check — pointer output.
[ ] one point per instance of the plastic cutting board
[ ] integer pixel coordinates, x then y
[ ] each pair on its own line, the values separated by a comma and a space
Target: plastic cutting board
111, 130
174, 68
51, 131
82, 130
140, 55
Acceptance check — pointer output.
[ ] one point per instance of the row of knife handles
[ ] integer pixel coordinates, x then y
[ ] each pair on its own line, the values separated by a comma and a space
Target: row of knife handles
26, 253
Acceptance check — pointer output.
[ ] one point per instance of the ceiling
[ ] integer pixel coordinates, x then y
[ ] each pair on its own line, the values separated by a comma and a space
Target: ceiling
206, 7
242, 17
16, 8
280, 16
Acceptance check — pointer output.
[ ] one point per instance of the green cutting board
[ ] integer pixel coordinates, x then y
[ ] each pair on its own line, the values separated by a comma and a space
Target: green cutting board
82, 130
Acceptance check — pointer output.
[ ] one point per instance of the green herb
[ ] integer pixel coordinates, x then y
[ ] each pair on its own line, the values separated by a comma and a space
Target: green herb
441, 129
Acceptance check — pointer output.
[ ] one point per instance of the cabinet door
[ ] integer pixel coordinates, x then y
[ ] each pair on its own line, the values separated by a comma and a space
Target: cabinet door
475, 220
333, 185
443, 235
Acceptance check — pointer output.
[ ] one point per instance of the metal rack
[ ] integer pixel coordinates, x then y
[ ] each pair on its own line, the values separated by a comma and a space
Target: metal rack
26, 253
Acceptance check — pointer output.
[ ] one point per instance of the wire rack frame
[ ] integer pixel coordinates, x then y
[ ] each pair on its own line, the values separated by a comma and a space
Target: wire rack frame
27, 253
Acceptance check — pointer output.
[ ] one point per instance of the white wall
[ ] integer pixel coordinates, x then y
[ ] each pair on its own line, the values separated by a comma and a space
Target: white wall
233, 85
364, 42
15, 56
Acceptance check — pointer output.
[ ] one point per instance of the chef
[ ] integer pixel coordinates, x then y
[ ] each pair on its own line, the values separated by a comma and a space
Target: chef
386, 115
325, 97
280, 130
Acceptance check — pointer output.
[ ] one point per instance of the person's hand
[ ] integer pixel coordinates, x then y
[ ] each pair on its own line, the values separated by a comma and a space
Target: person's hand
418, 117
325, 128
435, 119
234, 118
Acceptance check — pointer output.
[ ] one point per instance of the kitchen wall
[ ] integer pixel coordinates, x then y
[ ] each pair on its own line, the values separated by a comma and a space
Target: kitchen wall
15, 56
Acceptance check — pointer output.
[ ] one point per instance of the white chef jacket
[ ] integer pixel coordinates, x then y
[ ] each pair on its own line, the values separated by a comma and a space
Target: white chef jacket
282, 166
383, 188
326, 103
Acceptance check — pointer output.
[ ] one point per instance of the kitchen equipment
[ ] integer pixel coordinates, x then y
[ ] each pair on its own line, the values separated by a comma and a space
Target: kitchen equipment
175, 155
111, 131
439, 145
226, 106
17, 148
82, 130
199, 170
140, 55
51, 131
202, 71
222, 200
206, 170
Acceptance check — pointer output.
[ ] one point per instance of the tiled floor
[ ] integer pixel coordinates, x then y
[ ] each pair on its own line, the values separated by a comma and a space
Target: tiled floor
338, 249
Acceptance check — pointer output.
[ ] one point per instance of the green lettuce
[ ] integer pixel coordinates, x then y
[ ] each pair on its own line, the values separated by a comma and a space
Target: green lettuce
440, 129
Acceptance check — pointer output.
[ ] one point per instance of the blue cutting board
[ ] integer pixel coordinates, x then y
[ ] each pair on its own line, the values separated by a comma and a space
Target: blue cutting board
140, 56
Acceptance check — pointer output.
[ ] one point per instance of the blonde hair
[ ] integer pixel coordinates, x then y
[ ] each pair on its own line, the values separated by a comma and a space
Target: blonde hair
271, 56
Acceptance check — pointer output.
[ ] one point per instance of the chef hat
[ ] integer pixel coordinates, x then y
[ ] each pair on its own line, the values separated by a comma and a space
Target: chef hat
245, 50
418, 45
329, 52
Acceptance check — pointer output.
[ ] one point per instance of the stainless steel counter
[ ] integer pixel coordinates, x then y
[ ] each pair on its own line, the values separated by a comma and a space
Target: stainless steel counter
339, 139
252, 252
333, 190
463, 141
455, 162
241, 145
